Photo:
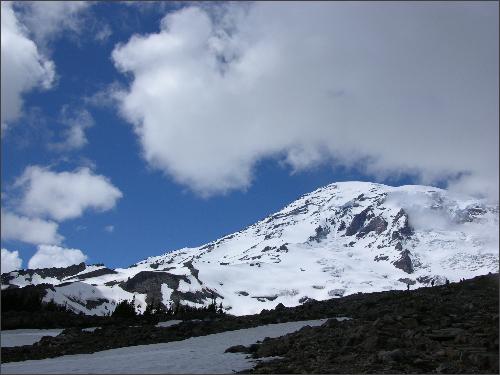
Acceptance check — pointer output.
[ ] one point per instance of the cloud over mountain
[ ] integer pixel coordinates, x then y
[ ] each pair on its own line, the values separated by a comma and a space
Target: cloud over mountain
29, 230
391, 88
10, 260
55, 256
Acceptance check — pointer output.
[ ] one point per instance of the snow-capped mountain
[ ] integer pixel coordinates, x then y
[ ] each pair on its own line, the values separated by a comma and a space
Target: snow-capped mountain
341, 239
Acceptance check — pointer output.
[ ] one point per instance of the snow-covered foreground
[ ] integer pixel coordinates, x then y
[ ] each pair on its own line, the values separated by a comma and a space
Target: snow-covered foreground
20, 337
197, 355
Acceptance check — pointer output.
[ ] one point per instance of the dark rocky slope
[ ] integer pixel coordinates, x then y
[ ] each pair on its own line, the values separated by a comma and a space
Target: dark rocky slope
446, 329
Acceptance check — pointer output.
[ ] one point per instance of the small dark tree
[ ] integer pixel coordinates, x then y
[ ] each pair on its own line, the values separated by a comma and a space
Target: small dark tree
160, 310
124, 310
212, 308
150, 310
155, 311
52, 306
170, 310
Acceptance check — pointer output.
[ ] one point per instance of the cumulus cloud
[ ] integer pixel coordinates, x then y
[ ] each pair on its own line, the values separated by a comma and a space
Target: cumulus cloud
64, 195
46, 20
28, 27
75, 122
10, 261
55, 256
29, 230
394, 88
24, 68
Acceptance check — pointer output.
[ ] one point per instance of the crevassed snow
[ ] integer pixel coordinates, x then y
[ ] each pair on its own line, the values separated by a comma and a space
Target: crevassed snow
20, 337
197, 355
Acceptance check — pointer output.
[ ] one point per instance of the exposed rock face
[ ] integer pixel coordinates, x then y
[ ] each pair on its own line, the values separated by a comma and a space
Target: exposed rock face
263, 298
404, 263
193, 270
199, 296
53, 272
96, 273
405, 230
377, 225
149, 283
357, 222
92, 304
321, 233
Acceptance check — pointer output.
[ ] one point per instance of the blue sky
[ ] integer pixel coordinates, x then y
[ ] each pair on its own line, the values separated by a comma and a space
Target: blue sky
176, 144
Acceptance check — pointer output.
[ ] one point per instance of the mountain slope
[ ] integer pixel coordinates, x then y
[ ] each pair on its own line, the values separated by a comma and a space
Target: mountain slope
341, 239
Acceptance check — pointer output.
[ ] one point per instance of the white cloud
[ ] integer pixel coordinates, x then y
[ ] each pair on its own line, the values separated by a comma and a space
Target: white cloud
64, 195
477, 185
75, 122
29, 230
109, 228
104, 33
108, 96
10, 261
28, 27
391, 87
50, 19
55, 256
23, 67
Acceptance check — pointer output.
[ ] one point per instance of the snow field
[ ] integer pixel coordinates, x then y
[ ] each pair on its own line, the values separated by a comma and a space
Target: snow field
197, 355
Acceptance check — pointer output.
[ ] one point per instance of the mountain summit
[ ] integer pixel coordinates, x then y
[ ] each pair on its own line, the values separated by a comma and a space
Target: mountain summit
341, 239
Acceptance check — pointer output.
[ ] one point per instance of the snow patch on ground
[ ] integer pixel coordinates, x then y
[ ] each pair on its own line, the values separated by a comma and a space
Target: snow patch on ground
168, 323
20, 337
197, 355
